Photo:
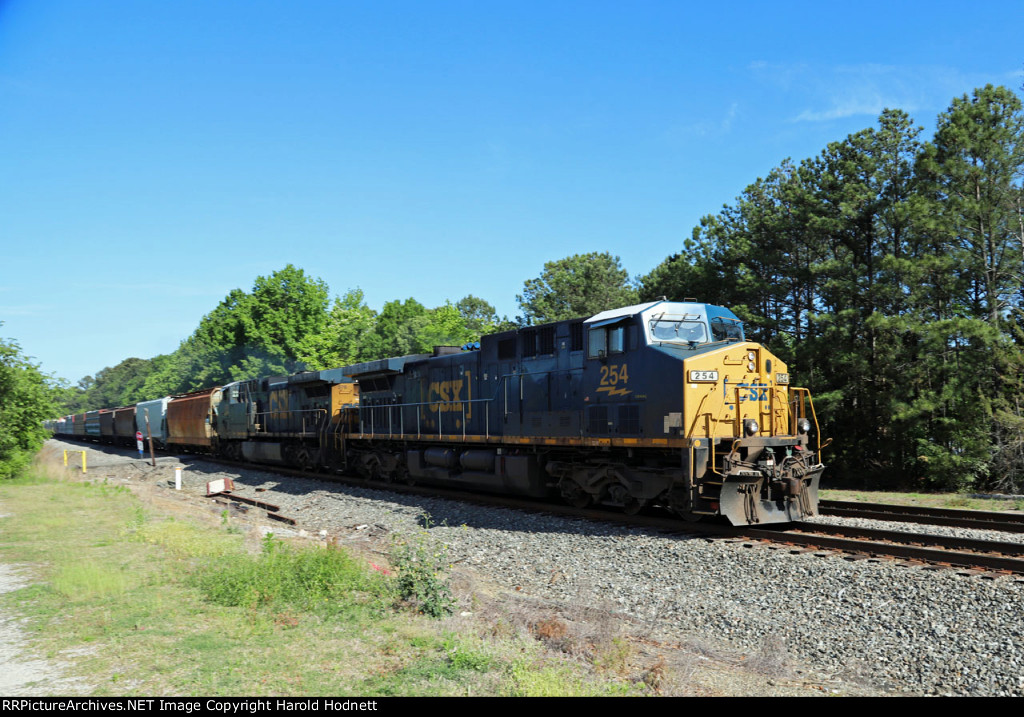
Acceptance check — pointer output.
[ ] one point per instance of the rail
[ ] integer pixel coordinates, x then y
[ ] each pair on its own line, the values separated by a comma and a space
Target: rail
386, 426
309, 420
797, 406
441, 408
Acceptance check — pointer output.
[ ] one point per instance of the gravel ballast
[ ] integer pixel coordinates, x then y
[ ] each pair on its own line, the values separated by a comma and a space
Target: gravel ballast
902, 629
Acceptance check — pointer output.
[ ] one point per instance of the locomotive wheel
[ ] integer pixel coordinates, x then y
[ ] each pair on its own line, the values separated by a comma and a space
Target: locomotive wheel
399, 474
633, 506
376, 471
364, 469
303, 460
573, 494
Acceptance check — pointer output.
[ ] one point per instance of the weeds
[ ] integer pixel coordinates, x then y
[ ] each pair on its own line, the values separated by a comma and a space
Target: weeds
421, 581
328, 582
614, 656
551, 630
463, 657
958, 501
78, 580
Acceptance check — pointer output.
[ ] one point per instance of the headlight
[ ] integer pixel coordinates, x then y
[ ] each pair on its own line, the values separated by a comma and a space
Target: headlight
803, 425
750, 426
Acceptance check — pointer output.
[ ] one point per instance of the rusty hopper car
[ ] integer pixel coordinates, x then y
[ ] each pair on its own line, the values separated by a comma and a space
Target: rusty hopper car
124, 426
107, 425
190, 420
78, 425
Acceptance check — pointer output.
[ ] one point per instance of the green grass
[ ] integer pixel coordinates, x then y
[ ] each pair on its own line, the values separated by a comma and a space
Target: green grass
139, 603
931, 500
327, 582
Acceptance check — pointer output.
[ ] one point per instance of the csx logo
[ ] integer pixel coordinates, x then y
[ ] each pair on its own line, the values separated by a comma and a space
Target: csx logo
747, 392
445, 396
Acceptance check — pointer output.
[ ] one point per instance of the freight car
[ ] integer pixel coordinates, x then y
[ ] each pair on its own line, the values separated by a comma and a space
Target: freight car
663, 403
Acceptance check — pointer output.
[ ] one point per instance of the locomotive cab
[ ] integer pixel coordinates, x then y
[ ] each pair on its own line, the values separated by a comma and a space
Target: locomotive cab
682, 375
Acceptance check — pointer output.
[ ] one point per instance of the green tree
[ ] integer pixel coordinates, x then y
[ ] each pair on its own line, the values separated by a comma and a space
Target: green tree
442, 326
262, 333
977, 170
27, 398
579, 285
480, 317
120, 385
858, 197
974, 170
343, 339
395, 332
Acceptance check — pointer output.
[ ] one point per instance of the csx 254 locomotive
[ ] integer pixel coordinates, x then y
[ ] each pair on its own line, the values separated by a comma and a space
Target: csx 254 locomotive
659, 403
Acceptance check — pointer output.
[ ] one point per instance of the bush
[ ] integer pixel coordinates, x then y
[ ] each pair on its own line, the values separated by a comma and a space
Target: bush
26, 400
329, 581
421, 581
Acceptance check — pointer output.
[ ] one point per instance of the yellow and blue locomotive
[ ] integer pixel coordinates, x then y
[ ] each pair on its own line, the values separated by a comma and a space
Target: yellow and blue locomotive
660, 403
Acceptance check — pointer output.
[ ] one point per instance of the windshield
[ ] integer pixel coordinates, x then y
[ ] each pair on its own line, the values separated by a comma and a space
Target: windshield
724, 330
679, 330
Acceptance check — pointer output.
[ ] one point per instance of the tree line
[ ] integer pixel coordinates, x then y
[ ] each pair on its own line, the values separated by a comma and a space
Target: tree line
287, 323
887, 271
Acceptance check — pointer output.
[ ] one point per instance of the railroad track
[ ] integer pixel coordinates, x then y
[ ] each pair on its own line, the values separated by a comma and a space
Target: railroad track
987, 558
923, 549
977, 519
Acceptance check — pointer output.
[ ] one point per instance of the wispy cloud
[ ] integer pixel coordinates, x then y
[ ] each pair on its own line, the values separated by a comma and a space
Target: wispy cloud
24, 310
840, 91
711, 127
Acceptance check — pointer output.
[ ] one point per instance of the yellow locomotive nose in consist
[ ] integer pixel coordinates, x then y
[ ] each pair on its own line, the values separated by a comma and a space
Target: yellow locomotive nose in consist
758, 465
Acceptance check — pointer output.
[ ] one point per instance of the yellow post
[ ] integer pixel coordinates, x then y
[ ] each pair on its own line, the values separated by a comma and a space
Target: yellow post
83, 461
65, 459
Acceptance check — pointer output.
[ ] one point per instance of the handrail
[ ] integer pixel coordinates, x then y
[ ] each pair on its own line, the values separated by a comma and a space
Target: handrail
390, 407
801, 393
284, 416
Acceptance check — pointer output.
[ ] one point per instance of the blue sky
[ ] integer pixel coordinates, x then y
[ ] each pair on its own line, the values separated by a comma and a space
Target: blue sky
156, 155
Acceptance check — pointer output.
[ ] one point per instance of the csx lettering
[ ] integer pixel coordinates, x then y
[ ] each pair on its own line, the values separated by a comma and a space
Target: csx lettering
447, 396
748, 392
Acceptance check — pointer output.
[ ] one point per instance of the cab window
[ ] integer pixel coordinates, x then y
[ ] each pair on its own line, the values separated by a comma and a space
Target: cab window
679, 331
606, 340
598, 343
616, 339
724, 330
